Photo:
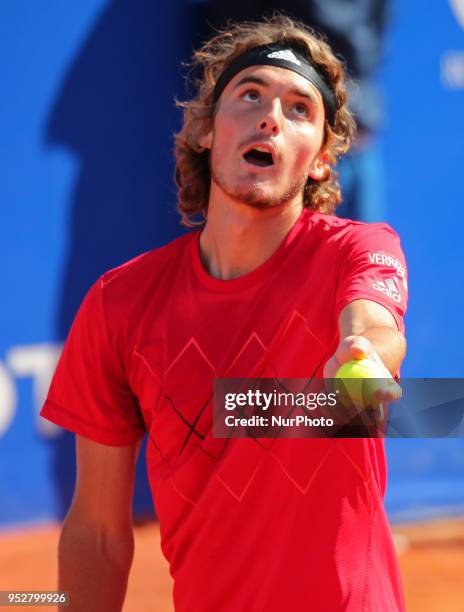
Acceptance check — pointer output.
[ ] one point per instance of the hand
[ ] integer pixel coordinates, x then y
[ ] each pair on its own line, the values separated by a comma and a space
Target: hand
359, 347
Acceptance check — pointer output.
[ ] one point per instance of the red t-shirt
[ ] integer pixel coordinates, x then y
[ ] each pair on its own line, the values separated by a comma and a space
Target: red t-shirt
295, 525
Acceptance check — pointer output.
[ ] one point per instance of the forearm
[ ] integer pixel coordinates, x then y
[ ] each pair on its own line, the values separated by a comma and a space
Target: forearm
389, 344
94, 566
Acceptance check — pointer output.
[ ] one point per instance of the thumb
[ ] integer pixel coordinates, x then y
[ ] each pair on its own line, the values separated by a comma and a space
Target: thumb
358, 347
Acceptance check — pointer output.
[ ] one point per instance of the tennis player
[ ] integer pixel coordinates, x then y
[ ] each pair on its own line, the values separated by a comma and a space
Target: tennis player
270, 283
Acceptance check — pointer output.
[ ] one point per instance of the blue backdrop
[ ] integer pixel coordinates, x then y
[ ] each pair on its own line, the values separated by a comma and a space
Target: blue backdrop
424, 84
86, 119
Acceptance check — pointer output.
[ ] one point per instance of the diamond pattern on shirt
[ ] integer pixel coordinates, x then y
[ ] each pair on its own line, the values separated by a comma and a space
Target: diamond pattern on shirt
186, 442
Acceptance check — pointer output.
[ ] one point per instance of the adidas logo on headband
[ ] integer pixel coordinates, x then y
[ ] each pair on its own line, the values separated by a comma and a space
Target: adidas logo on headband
285, 54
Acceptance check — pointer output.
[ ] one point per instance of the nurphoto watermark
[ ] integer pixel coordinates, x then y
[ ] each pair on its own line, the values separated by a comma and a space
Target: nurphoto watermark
322, 408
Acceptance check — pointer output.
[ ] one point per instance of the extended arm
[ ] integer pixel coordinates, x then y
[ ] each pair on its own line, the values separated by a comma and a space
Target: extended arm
368, 330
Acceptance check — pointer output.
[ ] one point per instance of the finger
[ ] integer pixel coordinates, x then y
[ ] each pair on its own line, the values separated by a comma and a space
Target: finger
331, 367
391, 392
353, 347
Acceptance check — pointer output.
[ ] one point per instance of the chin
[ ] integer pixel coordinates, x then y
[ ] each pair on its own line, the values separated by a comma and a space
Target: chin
266, 198
260, 195
261, 202
257, 195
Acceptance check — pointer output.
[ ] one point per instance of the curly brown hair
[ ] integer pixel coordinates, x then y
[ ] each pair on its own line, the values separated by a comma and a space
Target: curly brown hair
192, 161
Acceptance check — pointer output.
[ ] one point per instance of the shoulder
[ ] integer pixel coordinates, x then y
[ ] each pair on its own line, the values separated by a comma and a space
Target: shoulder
130, 288
147, 265
347, 235
147, 268
348, 229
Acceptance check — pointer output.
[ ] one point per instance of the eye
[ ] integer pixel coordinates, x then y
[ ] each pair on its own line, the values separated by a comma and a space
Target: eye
301, 109
251, 95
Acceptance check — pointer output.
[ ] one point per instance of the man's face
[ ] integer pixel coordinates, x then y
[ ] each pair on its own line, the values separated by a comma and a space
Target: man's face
267, 136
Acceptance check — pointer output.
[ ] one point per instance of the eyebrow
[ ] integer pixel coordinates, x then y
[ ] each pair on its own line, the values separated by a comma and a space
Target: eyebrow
296, 91
302, 93
252, 79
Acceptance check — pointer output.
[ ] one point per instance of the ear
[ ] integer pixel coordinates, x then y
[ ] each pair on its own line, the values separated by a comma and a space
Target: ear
319, 168
206, 140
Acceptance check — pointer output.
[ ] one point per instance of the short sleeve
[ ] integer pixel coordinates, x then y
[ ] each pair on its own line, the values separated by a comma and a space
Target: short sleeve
374, 268
89, 393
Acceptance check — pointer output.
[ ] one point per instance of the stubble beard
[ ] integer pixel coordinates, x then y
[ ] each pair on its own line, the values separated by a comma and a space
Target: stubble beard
254, 195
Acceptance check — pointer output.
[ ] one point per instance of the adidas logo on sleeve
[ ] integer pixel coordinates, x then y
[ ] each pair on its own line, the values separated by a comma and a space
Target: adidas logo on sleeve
388, 287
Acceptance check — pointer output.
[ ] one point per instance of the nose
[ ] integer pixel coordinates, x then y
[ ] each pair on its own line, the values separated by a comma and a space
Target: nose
271, 122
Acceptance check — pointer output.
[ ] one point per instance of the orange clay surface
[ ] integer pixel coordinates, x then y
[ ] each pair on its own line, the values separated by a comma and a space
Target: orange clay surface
431, 557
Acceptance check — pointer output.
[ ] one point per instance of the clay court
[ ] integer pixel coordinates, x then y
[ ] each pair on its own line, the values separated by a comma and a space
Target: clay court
431, 557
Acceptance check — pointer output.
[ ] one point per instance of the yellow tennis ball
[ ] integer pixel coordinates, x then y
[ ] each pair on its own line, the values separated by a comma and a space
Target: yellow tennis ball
359, 381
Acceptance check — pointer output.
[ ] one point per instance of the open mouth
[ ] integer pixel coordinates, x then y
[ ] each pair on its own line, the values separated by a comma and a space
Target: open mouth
258, 158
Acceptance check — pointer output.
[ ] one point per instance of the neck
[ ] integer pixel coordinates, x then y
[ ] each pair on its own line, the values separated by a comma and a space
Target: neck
238, 238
